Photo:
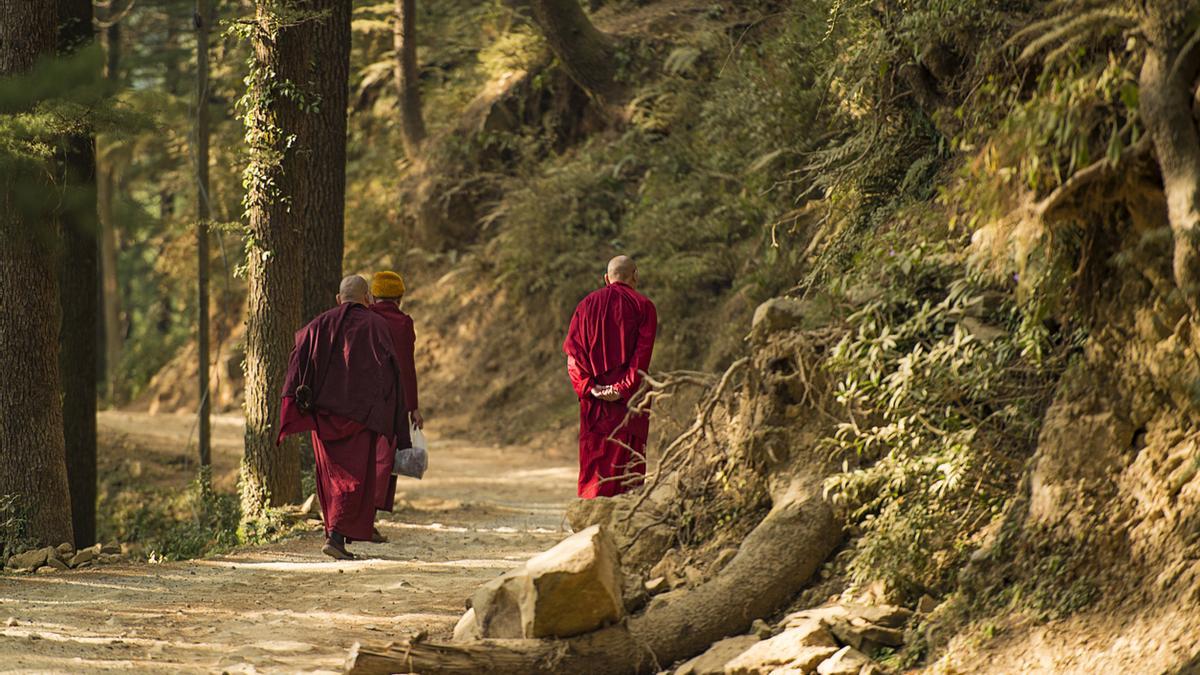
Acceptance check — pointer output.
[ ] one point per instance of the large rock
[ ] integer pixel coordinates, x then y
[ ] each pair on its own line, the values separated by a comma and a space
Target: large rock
30, 560
712, 662
777, 314
573, 588
799, 648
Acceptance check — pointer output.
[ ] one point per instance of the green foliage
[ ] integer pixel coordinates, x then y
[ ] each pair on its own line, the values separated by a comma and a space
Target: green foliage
170, 524
941, 410
14, 524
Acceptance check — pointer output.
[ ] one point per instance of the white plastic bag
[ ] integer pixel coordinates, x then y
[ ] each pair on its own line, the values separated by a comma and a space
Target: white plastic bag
412, 461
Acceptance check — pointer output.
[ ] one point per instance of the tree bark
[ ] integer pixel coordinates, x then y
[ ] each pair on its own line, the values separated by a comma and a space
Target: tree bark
412, 123
321, 136
32, 449
110, 287
772, 565
585, 53
203, 17
296, 199
1167, 84
79, 277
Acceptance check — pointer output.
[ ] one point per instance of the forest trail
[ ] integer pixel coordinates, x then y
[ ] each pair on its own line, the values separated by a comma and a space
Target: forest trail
286, 607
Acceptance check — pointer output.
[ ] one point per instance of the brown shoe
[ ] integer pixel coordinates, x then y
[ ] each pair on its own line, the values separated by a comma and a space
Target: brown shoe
336, 552
377, 536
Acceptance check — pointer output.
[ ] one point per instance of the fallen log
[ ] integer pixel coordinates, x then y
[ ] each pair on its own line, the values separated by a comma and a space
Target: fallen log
773, 563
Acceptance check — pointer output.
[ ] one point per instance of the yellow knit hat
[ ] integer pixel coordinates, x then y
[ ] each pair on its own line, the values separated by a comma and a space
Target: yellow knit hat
387, 285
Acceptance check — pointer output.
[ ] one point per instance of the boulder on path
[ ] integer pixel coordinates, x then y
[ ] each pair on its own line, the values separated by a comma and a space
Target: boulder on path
31, 560
85, 555
573, 588
799, 648
712, 662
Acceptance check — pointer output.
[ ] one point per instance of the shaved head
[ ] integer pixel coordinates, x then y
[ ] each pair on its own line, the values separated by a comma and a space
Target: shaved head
353, 289
622, 269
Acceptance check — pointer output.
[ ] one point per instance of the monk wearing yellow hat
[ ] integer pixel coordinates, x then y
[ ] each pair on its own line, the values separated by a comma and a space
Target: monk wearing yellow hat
388, 289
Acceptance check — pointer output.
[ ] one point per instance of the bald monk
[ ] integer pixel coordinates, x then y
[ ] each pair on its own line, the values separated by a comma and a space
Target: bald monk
343, 385
610, 339
388, 289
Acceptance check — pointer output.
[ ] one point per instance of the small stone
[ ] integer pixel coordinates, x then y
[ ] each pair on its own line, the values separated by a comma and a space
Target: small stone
889, 616
761, 629
666, 566
12, 621
889, 637
724, 557
46, 569
656, 585
111, 548
777, 314
712, 662
109, 558
309, 505
926, 604
847, 661
57, 564
66, 550
693, 576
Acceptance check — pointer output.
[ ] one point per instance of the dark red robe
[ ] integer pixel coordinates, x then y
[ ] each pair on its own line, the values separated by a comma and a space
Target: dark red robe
610, 339
345, 357
404, 342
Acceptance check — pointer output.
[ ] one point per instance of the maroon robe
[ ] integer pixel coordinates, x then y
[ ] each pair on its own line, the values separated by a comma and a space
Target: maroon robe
610, 339
345, 357
404, 342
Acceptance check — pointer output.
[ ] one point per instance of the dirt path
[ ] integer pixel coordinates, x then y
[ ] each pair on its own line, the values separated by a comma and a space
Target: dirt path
286, 607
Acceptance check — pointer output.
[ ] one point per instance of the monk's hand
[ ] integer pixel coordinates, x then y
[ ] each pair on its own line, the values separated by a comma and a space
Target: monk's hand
417, 420
608, 393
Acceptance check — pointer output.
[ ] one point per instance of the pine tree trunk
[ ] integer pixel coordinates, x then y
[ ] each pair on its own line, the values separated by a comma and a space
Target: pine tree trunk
297, 205
321, 155
585, 53
32, 450
110, 287
412, 123
79, 275
203, 17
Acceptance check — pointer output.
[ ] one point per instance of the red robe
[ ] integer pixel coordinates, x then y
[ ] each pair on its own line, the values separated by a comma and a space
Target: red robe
610, 339
404, 342
345, 357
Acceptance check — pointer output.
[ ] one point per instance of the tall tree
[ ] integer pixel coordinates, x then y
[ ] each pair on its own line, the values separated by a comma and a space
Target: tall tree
585, 53
110, 287
412, 123
203, 18
296, 129
79, 276
32, 450
321, 188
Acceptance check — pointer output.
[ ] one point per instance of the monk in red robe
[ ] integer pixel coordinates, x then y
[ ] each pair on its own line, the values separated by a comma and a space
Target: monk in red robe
388, 289
343, 385
610, 340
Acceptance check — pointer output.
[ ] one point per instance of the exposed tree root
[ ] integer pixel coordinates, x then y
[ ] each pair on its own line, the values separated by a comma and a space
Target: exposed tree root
774, 562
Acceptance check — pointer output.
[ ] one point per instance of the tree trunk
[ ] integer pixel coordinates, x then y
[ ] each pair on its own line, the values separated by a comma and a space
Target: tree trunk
407, 77
321, 136
1167, 84
110, 287
203, 18
32, 450
79, 276
585, 53
775, 561
297, 179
